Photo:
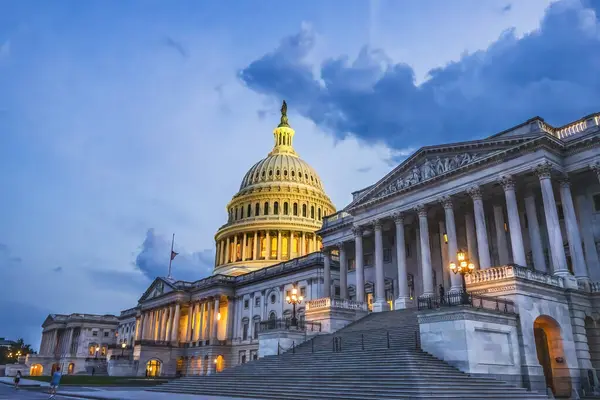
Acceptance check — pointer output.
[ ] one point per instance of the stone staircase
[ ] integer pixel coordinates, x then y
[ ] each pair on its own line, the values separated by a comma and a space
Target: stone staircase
376, 357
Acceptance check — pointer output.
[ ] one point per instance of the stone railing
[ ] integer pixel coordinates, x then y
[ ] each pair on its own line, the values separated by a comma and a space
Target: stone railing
595, 287
327, 303
512, 271
336, 219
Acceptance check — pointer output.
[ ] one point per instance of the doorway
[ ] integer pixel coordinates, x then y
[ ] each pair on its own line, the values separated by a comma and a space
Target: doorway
551, 356
153, 368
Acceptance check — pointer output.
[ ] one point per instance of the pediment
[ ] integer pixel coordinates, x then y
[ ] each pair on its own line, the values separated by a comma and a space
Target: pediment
430, 163
158, 288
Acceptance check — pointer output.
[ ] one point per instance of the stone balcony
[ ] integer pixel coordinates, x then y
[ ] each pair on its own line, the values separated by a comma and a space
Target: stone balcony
334, 314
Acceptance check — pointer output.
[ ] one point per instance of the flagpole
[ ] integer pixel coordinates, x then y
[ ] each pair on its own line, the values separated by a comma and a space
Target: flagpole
171, 256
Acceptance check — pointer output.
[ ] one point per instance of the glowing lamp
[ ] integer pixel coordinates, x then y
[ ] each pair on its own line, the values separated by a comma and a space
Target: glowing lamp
461, 255
445, 237
123, 345
452, 267
215, 361
218, 316
287, 298
471, 266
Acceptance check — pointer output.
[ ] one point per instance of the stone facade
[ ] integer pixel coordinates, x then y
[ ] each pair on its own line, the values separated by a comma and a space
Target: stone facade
77, 343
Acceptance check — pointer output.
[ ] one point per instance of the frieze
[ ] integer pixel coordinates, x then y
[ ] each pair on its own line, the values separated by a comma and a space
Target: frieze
430, 169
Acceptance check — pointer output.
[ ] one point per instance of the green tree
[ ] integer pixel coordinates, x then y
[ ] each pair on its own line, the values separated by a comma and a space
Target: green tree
10, 355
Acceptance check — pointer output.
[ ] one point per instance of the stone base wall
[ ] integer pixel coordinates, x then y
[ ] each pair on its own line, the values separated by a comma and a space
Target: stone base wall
476, 341
271, 343
333, 319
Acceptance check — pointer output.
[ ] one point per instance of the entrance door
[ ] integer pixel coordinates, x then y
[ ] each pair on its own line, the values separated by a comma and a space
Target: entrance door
370, 301
543, 354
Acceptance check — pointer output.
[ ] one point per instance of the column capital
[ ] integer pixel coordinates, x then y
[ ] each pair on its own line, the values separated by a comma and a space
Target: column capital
377, 224
398, 217
475, 192
595, 166
357, 230
544, 170
421, 209
340, 246
565, 182
446, 202
507, 182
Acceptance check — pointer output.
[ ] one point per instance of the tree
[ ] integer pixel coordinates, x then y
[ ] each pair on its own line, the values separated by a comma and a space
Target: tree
10, 355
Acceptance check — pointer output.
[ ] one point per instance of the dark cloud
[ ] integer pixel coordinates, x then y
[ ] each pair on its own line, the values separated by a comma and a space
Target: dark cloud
177, 46
363, 169
153, 259
18, 320
552, 72
57, 269
507, 8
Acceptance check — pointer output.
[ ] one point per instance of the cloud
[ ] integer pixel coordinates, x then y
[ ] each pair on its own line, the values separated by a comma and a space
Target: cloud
507, 8
177, 46
482, 93
363, 169
153, 259
57, 269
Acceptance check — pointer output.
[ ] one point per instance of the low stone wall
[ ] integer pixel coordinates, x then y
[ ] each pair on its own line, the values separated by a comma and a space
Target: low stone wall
476, 341
271, 343
122, 367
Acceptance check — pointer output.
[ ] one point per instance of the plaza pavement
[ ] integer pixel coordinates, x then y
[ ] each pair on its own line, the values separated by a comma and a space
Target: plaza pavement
97, 393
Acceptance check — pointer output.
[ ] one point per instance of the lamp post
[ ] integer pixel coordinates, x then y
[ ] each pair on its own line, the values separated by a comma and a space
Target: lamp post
123, 346
463, 268
293, 300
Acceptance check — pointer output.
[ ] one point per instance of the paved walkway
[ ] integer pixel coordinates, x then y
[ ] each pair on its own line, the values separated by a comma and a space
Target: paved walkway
9, 380
101, 394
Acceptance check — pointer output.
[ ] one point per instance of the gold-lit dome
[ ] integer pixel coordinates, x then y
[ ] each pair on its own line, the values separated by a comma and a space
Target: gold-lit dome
274, 216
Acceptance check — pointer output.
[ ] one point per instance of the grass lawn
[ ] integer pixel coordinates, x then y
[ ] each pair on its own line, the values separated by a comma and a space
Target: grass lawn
100, 380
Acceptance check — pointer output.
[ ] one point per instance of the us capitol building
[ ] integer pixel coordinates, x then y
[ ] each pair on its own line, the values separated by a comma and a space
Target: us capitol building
517, 214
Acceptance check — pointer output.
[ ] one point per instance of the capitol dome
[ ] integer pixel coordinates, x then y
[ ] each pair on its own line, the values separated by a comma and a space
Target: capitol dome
280, 205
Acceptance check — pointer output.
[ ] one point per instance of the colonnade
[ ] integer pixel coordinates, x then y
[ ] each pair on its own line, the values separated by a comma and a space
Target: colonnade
276, 245
57, 343
201, 322
477, 239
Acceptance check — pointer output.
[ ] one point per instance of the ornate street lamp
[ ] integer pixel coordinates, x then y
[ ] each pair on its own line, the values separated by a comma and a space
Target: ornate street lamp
123, 346
293, 300
463, 268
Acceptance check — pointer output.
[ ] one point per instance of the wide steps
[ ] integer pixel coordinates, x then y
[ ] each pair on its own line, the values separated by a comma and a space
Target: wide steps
375, 358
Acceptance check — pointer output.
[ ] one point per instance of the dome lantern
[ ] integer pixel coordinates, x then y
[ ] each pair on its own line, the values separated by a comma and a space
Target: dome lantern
283, 135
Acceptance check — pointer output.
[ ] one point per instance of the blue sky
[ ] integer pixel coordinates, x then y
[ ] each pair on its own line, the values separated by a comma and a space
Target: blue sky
124, 121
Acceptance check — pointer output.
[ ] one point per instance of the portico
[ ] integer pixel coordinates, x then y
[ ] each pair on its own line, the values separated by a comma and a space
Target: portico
505, 200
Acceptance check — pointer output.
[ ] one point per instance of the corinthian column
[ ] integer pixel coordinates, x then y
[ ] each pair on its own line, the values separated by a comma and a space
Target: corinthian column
455, 279
535, 237
215, 332
514, 221
175, 330
584, 209
425, 251
483, 247
326, 273
573, 235
343, 271
379, 304
559, 260
403, 295
358, 261
500, 235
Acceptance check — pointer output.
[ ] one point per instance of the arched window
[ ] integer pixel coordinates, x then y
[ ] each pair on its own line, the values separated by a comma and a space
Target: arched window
295, 209
272, 316
266, 208
153, 368
312, 212
242, 212
276, 208
257, 210
249, 211
285, 208
304, 210
319, 213
237, 213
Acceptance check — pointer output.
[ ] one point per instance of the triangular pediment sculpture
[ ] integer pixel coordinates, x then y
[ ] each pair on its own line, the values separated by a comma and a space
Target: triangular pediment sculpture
431, 163
159, 287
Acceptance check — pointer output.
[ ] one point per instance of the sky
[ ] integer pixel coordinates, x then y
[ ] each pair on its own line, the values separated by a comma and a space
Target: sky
123, 122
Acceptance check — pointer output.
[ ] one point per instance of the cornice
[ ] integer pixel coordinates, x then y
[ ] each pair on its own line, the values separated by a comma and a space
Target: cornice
519, 144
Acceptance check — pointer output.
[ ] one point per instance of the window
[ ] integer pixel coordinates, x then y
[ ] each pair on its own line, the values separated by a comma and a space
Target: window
319, 214
257, 210
276, 208
255, 332
304, 210
303, 291
285, 208
273, 298
95, 333
312, 212
249, 211
596, 201
255, 356
105, 334
351, 264
245, 331
266, 209
103, 351
257, 301
337, 290
246, 304
242, 212
387, 255
295, 208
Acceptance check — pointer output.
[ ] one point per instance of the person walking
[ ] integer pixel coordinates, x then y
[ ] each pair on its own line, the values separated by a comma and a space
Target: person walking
55, 382
442, 294
17, 380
